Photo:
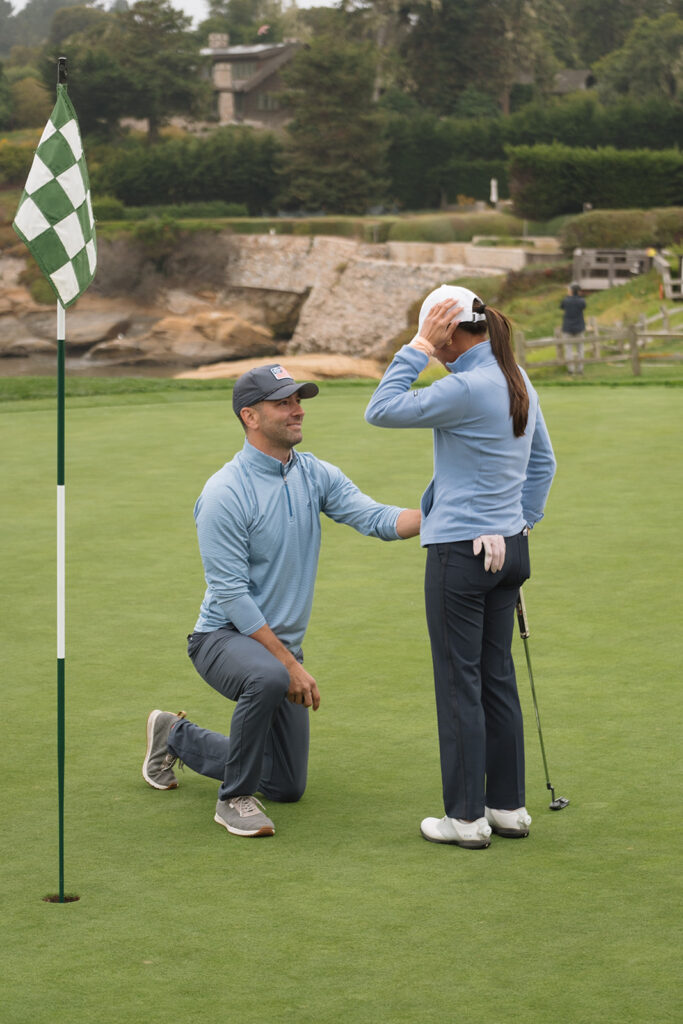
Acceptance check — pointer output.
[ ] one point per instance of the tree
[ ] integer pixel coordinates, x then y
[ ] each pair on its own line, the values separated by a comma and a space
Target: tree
384, 23
245, 21
71, 21
161, 60
31, 103
335, 155
601, 26
516, 44
648, 65
6, 27
555, 20
472, 102
5, 101
31, 25
477, 44
143, 62
440, 51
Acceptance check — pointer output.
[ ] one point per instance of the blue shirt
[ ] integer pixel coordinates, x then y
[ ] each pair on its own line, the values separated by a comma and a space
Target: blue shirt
258, 526
486, 480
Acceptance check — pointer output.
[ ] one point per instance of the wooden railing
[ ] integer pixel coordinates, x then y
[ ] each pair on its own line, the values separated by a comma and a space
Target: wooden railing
671, 288
612, 343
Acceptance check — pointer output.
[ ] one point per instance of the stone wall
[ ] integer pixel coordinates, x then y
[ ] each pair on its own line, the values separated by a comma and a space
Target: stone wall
358, 296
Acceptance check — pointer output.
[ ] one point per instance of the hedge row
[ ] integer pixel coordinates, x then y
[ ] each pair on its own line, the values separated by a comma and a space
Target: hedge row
234, 165
549, 180
110, 208
431, 158
623, 229
238, 169
459, 228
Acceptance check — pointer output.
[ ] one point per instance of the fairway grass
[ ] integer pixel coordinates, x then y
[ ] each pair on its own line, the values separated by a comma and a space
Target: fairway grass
346, 915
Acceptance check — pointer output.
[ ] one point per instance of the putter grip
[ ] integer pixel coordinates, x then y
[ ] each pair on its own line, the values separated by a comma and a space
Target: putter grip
521, 618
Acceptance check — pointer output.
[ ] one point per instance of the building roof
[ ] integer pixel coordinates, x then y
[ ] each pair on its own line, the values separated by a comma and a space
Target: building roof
258, 50
572, 79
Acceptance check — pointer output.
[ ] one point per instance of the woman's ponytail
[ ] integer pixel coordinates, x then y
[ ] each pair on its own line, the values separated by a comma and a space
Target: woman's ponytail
500, 333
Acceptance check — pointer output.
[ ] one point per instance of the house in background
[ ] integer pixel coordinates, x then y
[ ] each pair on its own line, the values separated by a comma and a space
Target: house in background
247, 81
573, 80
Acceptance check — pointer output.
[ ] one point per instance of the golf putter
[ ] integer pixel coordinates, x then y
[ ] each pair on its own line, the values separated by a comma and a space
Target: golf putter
560, 802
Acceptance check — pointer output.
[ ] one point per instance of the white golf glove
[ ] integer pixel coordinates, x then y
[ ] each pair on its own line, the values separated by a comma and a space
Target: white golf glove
494, 550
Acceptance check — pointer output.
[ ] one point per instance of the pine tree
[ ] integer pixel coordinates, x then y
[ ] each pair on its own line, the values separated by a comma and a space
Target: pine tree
335, 155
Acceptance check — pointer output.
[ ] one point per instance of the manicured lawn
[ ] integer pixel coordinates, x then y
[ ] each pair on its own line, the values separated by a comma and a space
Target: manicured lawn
346, 915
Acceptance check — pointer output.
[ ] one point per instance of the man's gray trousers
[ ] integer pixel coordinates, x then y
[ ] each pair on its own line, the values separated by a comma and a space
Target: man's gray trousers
267, 749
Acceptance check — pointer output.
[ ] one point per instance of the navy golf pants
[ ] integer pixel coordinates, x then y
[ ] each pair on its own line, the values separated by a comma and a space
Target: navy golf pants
470, 616
267, 749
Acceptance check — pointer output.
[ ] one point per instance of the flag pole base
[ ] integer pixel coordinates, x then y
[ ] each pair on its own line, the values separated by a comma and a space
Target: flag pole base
56, 898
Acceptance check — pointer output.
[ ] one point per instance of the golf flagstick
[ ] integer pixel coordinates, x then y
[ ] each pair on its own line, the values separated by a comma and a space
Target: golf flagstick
560, 802
55, 221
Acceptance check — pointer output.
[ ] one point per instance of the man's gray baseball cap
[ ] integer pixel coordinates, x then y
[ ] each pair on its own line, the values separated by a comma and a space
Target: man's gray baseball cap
268, 384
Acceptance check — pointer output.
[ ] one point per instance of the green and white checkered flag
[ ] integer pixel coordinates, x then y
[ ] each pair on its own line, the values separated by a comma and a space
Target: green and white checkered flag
55, 217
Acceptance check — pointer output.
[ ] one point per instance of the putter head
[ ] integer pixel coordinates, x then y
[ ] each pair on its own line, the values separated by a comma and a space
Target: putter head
559, 804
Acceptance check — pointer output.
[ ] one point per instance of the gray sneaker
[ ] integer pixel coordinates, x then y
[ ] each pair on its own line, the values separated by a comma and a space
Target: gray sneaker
243, 816
157, 768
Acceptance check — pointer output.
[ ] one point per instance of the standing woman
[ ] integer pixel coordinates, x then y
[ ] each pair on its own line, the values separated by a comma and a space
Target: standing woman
493, 466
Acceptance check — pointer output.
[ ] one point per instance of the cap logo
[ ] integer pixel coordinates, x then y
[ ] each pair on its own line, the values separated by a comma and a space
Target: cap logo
280, 373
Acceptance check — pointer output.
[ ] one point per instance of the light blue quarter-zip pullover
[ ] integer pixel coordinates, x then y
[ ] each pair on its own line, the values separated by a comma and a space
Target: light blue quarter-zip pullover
258, 526
486, 480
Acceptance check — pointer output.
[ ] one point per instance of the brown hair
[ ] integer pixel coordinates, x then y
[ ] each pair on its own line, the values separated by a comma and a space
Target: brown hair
500, 333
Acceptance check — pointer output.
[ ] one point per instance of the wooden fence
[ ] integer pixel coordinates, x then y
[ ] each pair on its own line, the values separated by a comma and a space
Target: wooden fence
615, 343
671, 287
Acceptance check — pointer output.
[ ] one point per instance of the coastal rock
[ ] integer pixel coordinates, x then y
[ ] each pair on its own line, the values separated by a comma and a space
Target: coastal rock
17, 300
17, 340
84, 328
23, 347
205, 338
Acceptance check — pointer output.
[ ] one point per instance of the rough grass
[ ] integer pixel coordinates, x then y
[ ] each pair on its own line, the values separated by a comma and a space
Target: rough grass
346, 914
535, 310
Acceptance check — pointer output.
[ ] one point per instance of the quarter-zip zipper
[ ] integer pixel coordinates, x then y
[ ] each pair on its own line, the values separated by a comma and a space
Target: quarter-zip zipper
289, 500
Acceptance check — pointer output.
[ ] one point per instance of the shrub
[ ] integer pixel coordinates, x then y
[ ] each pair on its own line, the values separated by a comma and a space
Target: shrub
454, 227
31, 103
15, 162
623, 229
423, 229
158, 237
487, 223
108, 208
668, 226
608, 229
39, 287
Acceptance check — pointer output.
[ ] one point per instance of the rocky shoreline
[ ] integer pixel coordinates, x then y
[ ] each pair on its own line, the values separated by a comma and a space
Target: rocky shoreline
244, 298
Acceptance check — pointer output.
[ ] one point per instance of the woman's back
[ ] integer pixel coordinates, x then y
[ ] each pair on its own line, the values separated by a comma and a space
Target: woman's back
479, 464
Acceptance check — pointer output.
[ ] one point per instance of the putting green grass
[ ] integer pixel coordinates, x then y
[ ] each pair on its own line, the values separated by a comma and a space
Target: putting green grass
346, 915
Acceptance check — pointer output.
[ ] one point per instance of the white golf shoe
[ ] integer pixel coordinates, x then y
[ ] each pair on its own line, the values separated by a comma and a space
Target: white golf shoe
513, 824
473, 835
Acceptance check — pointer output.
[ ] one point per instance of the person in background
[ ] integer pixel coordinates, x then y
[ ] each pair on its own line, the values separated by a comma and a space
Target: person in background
493, 466
573, 326
258, 526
